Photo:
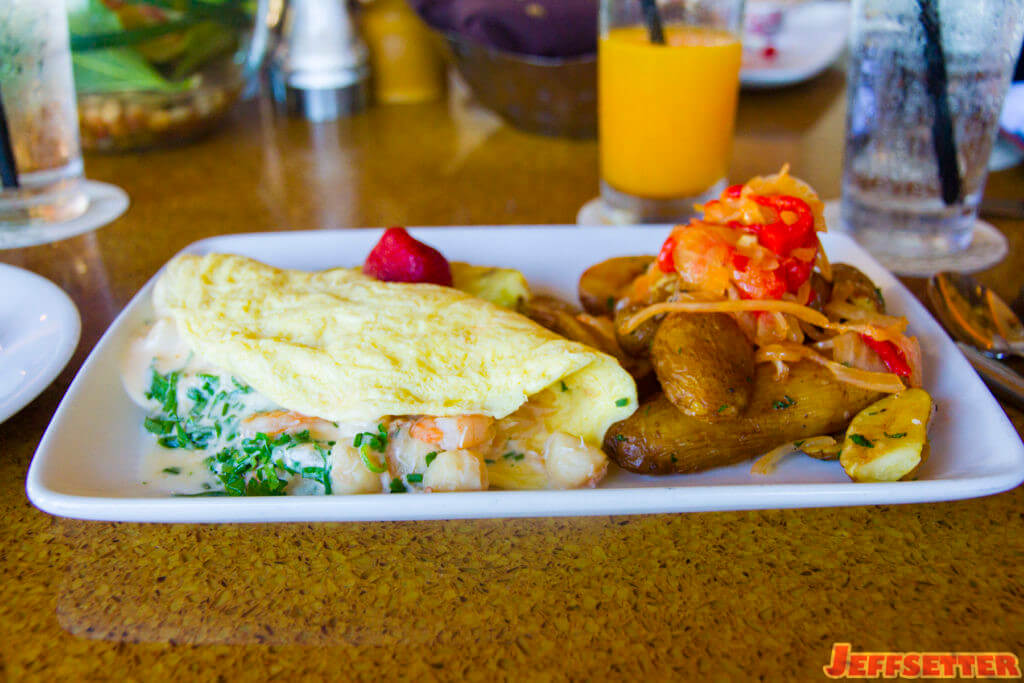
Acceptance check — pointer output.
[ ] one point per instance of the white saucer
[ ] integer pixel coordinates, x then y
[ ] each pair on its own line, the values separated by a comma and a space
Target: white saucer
106, 202
596, 213
988, 247
812, 36
39, 329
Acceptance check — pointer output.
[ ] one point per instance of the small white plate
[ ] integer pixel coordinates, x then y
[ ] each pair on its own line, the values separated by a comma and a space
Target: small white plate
811, 37
87, 464
39, 330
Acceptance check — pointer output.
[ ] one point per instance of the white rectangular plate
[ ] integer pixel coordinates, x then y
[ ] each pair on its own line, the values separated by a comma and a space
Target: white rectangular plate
87, 464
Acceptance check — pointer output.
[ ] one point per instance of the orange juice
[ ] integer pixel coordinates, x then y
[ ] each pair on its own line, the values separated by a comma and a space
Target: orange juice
666, 111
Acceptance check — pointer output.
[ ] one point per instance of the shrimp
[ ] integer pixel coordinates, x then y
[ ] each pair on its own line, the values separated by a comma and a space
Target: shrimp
274, 422
453, 433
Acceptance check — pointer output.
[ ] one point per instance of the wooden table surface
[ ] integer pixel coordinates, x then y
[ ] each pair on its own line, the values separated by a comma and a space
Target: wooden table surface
716, 595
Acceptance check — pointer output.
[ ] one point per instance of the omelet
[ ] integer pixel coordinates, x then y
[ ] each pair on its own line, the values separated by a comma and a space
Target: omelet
429, 387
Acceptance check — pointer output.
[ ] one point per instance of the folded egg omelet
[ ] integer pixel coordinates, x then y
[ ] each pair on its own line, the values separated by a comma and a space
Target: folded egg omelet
342, 346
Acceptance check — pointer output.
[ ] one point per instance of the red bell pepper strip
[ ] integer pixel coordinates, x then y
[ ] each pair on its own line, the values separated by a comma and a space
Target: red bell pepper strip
795, 272
782, 237
890, 354
666, 258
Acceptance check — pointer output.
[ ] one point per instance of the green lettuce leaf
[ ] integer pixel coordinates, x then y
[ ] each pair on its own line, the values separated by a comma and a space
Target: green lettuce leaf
117, 70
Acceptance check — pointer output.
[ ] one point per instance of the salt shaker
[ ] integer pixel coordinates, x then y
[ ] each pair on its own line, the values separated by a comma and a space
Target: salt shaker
319, 67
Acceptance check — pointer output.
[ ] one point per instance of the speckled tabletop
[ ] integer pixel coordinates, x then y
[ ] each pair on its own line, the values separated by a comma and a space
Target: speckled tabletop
698, 596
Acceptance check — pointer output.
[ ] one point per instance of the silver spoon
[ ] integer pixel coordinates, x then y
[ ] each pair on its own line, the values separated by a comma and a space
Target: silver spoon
984, 325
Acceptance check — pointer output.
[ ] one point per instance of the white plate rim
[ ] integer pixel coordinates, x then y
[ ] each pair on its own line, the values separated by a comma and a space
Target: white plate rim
493, 504
69, 328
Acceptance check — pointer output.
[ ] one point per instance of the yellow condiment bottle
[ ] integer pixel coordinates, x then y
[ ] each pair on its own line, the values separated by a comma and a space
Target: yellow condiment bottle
404, 55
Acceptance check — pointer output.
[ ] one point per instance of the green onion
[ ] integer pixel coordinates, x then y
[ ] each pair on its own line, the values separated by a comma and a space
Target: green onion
785, 403
396, 486
414, 478
172, 470
897, 435
430, 457
861, 441
376, 468
622, 402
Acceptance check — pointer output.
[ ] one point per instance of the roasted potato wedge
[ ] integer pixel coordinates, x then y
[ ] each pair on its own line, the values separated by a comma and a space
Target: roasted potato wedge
659, 439
602, 283
886, 441
821, 447
597, 332
851, 285
638, 342
822, 289
501, 286
705, 364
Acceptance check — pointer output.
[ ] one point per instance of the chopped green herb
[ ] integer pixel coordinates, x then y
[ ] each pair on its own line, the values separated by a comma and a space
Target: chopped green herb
414, 478
489, 461
786, 402
861, 441
259, 465
610, 303
375, 467
799, 443
156, 425
881, 299
396, 486
620, 437
897, 435
622, 402
241, 386
672, 457
430, 457
512, 455
378, 441
564, 388
722, 408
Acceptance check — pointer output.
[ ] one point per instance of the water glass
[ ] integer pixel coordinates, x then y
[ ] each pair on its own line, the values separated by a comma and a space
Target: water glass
926, 84
40, 157
666, 108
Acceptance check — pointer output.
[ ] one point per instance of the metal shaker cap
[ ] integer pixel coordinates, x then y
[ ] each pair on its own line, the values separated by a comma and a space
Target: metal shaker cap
320, 67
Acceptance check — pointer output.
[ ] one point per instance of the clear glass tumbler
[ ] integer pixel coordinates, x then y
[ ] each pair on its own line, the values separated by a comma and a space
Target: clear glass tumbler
40, 157
667, 91
926, 84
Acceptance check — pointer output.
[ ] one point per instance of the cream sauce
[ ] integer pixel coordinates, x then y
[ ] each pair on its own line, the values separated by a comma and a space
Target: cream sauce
514, 456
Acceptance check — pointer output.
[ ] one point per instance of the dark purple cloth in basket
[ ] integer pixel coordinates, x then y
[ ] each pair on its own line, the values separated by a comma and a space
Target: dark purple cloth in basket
547, 28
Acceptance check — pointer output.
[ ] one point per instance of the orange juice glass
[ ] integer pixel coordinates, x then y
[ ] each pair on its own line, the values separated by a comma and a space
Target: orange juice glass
666, 110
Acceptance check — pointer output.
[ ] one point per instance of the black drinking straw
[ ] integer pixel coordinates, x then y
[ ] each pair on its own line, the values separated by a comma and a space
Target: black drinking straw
937, 85
8, 169
652, 17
